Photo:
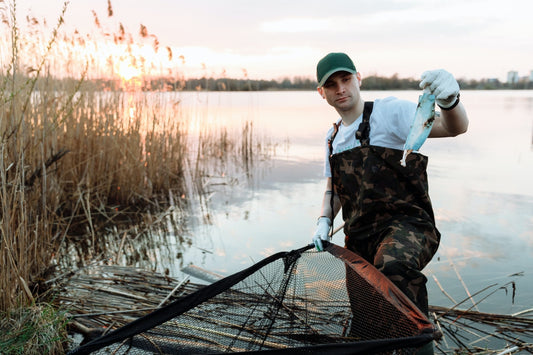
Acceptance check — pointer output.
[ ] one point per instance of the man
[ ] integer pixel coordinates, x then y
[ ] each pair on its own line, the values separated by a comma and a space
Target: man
386, 207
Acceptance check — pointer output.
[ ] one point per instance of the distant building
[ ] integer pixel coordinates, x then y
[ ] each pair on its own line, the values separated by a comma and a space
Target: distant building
512, 77
531, 76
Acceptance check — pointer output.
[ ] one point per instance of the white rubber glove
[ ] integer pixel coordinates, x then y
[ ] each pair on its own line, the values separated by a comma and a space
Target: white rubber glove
322, 232
441, 84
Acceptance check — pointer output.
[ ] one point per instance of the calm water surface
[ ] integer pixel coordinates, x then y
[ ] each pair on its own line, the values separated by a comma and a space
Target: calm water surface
481, 185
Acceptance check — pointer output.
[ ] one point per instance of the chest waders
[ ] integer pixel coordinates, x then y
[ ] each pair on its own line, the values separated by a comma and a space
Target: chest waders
386, 209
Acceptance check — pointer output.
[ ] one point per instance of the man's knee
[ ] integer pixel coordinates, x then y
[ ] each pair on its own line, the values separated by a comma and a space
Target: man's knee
409, 280
402, 272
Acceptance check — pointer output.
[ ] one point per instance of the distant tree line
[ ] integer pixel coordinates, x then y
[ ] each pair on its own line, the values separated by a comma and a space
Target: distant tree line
373, 82
302, 83
227, 84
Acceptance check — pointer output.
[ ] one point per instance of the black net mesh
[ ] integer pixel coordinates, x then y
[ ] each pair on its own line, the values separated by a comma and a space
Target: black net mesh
298, 301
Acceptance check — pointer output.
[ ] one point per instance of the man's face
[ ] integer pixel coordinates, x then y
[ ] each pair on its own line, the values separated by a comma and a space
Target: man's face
341, 90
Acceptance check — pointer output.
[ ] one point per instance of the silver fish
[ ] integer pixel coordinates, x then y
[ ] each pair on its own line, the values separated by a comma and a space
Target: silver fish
421, 126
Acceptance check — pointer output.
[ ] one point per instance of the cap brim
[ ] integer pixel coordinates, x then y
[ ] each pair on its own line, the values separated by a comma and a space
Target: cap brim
333, 71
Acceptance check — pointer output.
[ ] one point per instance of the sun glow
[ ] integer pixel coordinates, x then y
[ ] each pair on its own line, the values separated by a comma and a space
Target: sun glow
127, 71
108, 52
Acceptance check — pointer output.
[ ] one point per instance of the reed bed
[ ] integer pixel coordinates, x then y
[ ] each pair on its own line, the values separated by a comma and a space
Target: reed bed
84, 170
474, 330
100, 295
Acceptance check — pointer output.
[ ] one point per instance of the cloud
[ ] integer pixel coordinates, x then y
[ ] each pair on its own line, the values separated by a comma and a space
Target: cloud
295, 25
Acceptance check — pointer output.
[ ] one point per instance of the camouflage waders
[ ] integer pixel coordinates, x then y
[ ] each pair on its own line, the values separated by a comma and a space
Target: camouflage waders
387, 210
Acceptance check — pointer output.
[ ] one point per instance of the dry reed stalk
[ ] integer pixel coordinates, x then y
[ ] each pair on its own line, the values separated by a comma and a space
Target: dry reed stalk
178, 286
442, 289
464, 285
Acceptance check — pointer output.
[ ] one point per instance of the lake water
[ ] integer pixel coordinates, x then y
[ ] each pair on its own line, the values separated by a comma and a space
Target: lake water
481, 185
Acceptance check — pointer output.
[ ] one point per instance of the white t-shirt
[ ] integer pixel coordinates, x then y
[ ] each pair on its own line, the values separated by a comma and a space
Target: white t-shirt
390, 123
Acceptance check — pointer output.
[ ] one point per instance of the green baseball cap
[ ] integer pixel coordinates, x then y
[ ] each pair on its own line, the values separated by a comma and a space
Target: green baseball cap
333, 63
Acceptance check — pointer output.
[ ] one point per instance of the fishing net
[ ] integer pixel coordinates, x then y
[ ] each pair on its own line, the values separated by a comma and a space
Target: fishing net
300, 301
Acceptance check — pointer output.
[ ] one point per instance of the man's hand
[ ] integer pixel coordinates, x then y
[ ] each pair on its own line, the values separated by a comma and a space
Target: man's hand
441, 84
322, 232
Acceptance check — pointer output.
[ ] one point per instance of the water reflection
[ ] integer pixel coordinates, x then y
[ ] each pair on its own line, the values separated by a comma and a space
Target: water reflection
218, 157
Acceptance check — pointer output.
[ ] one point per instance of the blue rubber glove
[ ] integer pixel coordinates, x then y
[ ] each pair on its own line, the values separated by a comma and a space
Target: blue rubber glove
441, 84
322, 232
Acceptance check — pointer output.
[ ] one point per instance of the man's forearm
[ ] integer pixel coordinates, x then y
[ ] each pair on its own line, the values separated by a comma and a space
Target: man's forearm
455, 121
326, 210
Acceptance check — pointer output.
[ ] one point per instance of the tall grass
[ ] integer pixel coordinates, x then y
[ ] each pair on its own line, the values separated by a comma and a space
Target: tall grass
69, 160
33, 330
26, 205
75, 160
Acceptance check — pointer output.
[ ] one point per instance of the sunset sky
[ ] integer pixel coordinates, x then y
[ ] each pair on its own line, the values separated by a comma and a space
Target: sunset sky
280, 38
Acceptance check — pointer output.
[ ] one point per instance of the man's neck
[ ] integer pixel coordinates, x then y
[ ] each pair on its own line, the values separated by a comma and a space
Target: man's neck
349, 116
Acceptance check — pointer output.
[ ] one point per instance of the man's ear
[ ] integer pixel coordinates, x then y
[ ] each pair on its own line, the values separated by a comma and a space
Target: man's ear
320, 90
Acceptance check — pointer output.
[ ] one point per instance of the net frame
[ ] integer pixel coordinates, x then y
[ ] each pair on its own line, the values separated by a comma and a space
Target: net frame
422, 331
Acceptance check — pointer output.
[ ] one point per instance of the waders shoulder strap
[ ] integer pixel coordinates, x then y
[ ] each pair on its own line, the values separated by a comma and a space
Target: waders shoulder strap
363, 132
